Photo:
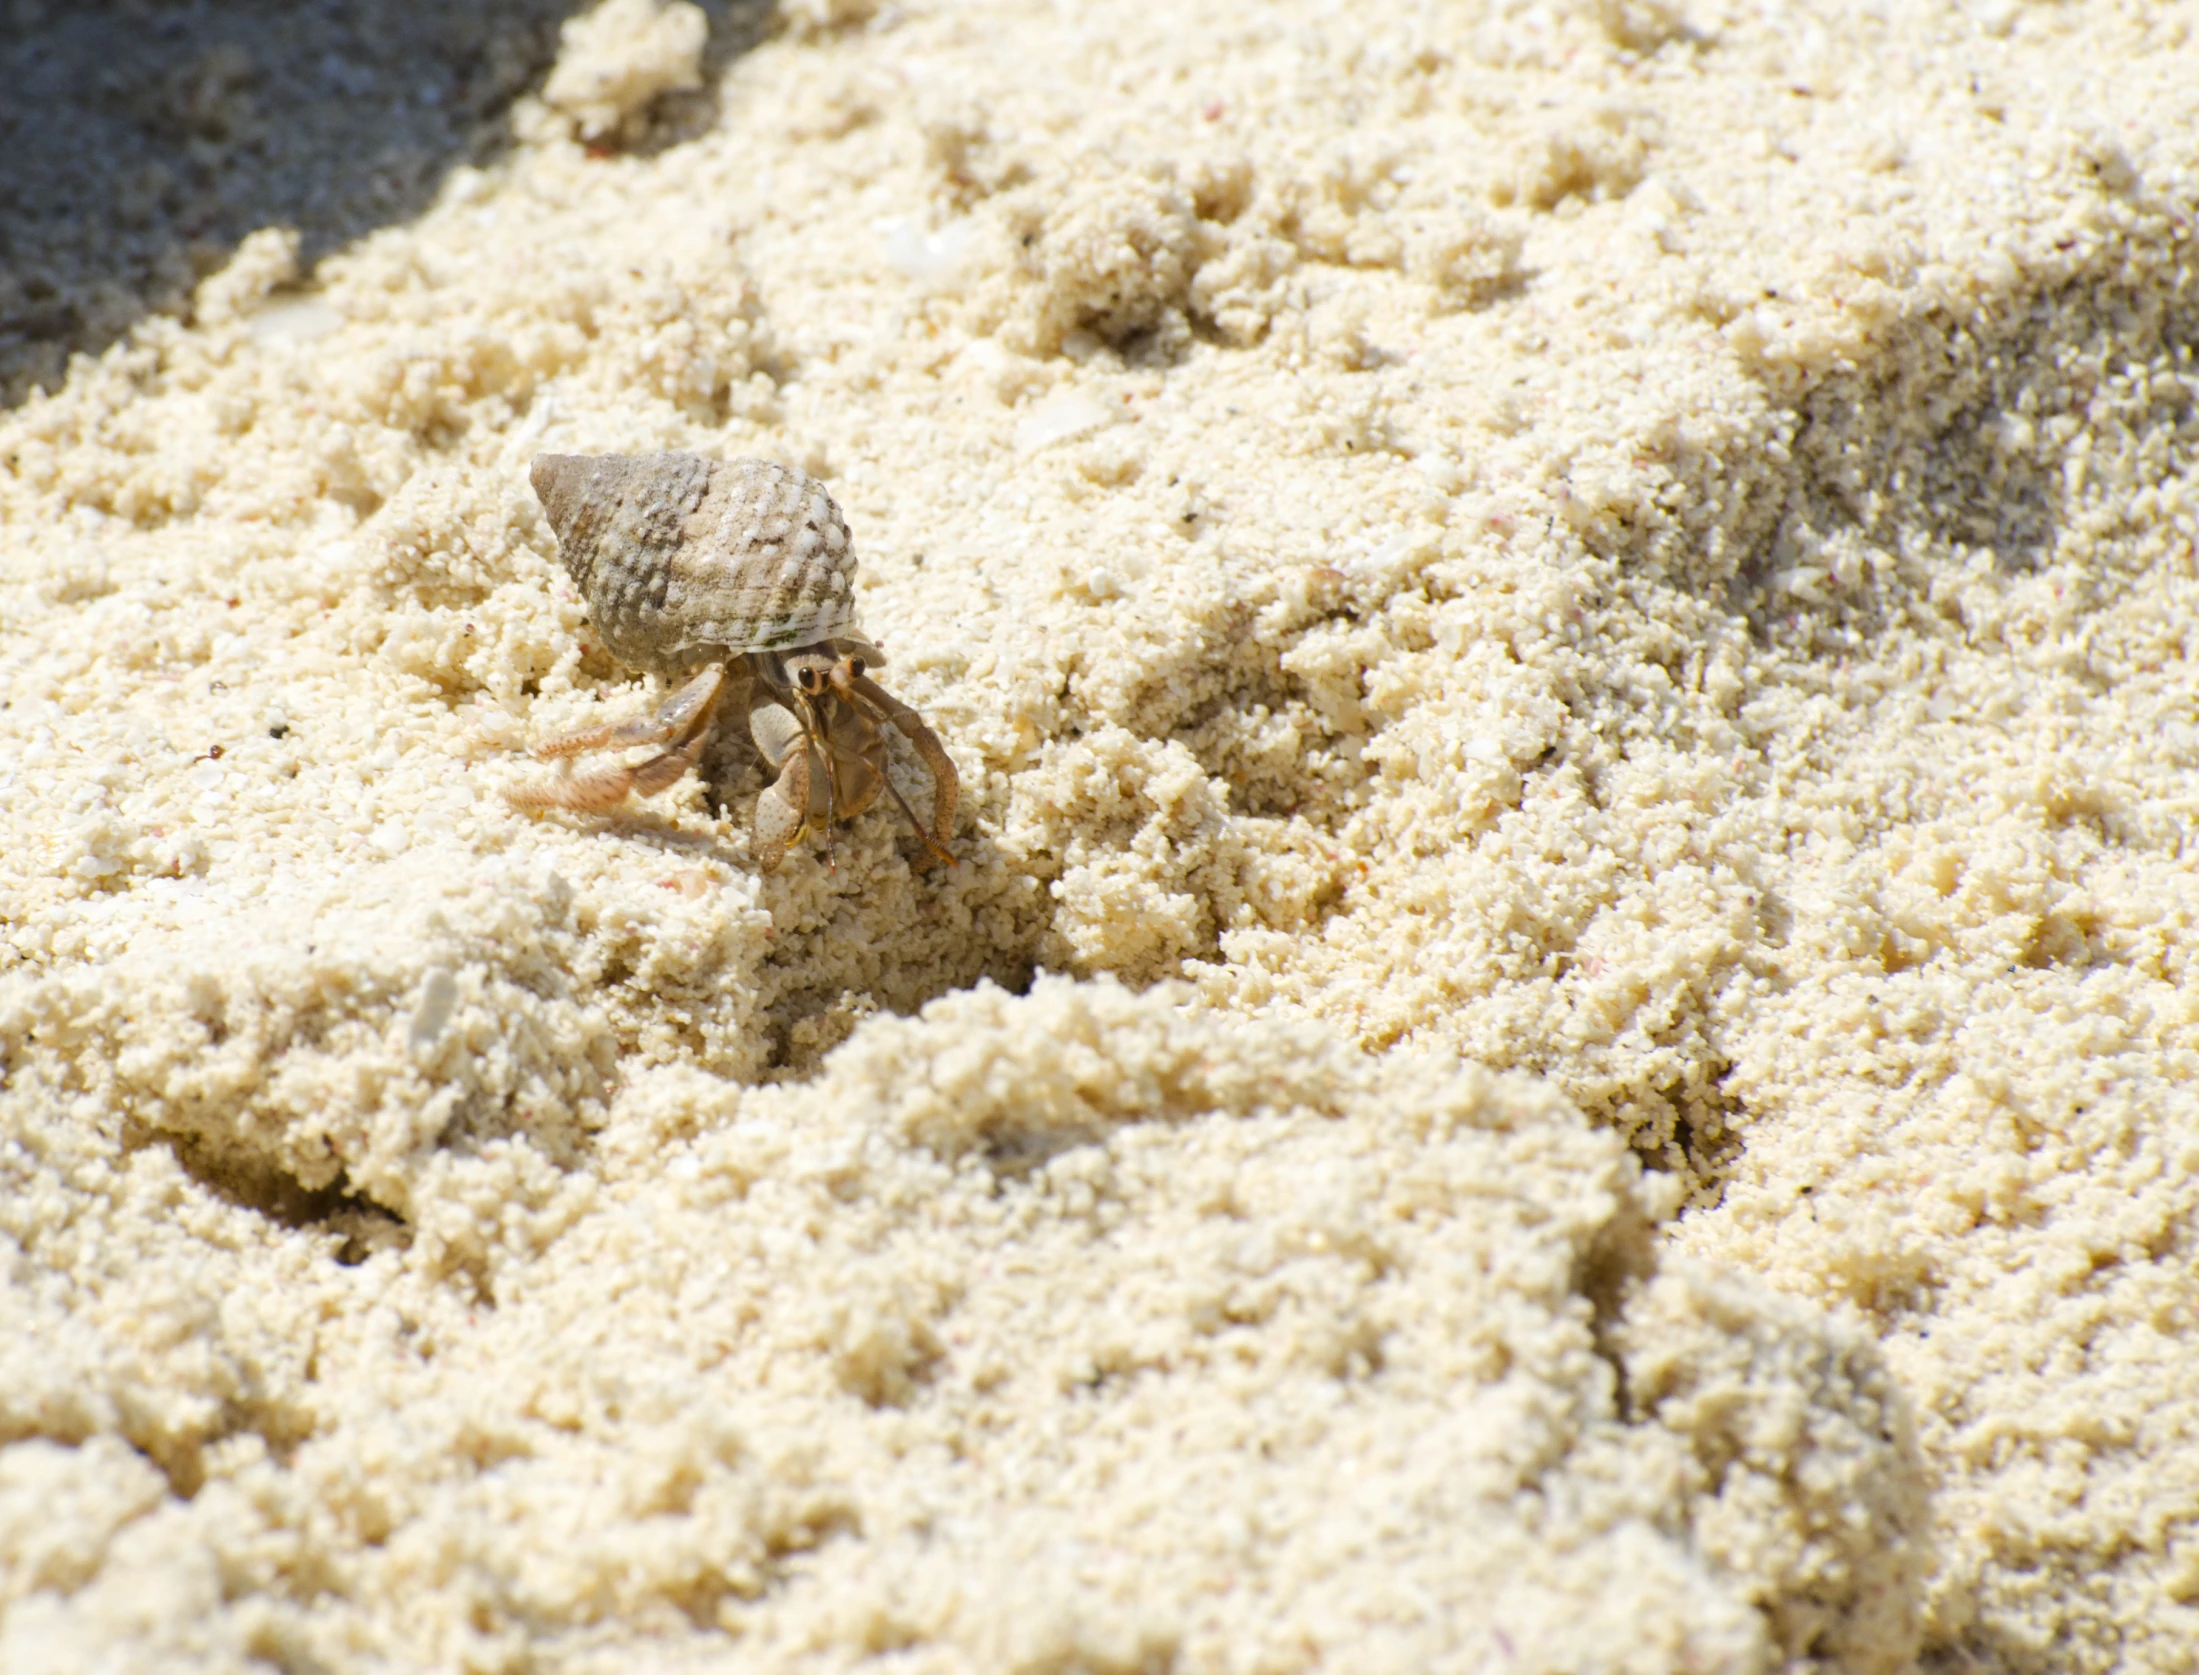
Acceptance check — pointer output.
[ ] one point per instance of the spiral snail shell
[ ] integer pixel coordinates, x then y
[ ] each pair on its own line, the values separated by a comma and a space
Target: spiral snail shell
685, 560
736, 580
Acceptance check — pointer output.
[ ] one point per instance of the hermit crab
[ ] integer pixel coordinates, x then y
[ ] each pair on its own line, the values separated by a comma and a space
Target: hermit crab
734, 578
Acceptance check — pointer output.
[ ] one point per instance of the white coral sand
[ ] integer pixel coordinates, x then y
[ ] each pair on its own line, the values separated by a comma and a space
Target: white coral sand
1565, 1037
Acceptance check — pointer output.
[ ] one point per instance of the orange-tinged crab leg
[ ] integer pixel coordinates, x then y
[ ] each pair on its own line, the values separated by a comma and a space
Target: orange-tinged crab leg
684, 718
946, 783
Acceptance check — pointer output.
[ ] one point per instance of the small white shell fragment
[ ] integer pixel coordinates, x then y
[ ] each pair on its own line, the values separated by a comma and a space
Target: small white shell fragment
432, 1010
1060, 417
298, 319
930, 258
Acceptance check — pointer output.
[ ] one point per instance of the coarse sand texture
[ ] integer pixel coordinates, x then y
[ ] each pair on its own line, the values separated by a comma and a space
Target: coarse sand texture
1565, 1037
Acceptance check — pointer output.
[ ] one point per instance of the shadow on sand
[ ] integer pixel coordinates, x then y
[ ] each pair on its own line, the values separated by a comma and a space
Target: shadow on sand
143, 140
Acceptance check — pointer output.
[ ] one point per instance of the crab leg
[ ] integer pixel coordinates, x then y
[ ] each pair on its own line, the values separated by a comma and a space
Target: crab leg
782, 812
669, 720
909, 814
682, 720
946, 783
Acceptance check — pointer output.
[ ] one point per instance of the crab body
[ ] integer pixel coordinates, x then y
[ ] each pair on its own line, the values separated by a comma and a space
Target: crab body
737, 578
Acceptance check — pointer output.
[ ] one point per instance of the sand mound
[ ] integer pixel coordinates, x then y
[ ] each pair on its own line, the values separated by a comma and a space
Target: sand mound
1564, 1035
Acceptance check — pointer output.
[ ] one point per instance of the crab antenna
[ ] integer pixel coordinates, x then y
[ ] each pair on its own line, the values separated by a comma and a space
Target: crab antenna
813, 725
861, 704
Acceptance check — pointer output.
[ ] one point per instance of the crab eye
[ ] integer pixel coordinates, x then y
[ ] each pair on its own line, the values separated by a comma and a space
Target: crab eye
855, 667
811, 680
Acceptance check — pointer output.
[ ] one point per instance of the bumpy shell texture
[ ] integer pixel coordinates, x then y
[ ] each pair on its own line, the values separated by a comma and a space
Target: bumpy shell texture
685, 560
